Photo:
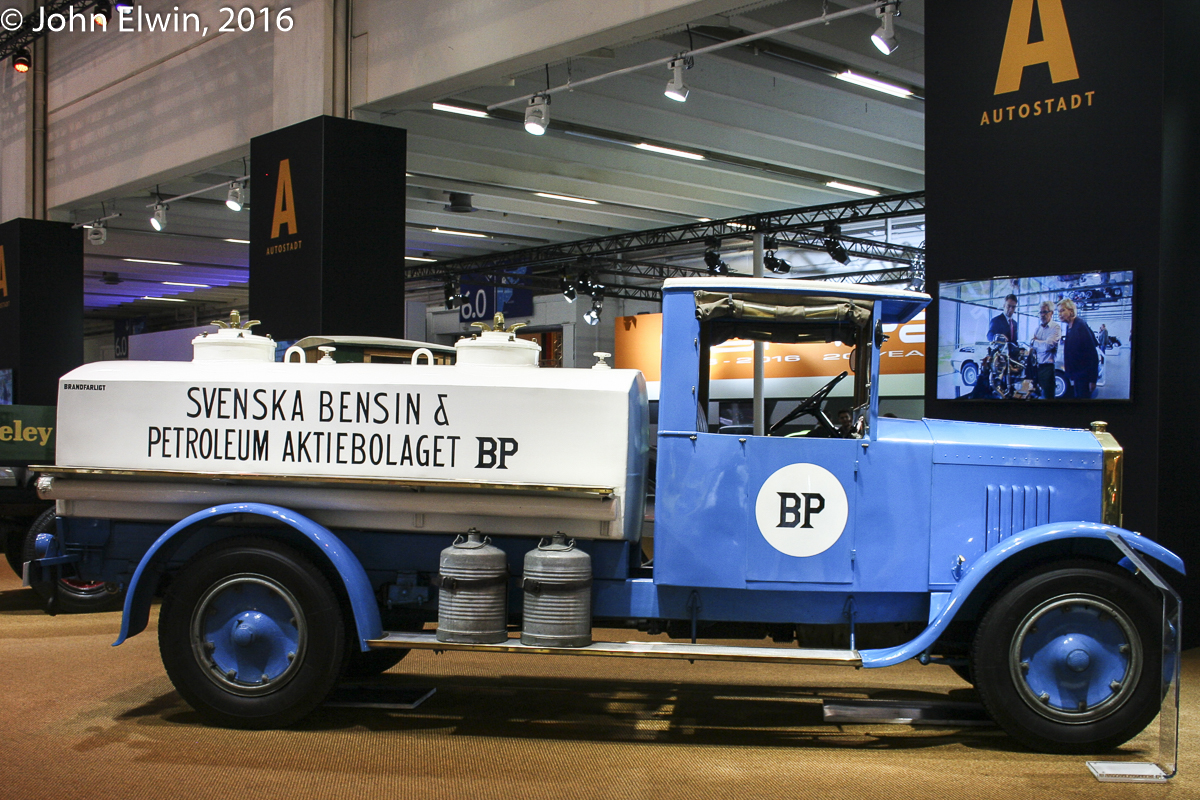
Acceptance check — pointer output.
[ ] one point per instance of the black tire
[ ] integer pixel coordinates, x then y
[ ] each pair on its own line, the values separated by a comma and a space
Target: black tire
259, 607
1069, 658
71, 595
368, 664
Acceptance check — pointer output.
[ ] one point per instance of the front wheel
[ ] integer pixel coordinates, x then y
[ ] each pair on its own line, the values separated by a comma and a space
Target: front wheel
252, 634
1069, 659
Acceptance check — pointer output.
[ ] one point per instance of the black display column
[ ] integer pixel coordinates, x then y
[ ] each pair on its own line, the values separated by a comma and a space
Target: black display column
41, 307
1047, 154
327, 204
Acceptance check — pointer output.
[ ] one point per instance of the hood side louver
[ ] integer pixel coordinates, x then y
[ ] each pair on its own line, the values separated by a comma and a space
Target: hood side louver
1012, 509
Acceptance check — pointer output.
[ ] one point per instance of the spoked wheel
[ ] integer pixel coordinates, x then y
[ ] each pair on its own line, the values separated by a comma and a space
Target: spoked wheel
251, 634
71, 595
1069, 659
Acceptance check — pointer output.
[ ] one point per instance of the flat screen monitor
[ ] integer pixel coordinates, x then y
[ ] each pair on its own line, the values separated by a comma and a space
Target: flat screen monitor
1050, 337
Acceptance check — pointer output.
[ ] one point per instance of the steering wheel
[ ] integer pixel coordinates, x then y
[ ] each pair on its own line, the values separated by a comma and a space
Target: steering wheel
812, 406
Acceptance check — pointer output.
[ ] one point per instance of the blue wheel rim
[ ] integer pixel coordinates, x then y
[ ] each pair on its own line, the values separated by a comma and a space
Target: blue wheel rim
249, 634
1076, 658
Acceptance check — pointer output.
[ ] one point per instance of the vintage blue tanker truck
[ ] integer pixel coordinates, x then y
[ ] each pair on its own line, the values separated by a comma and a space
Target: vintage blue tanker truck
291, 516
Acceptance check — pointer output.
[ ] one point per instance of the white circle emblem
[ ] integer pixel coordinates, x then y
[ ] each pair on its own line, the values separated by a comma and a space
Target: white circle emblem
801, 510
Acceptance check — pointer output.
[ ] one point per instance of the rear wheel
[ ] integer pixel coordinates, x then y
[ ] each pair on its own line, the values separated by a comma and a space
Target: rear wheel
251, 634
1069, 659
71, 595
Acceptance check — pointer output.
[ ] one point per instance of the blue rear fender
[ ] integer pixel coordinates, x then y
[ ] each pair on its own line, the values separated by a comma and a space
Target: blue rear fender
351, 573
975, 573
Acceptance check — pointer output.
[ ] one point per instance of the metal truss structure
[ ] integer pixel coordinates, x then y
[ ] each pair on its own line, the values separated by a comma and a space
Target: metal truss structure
807, 226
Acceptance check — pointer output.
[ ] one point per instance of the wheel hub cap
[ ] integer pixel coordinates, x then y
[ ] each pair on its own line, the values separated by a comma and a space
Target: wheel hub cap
248, 632
1075, 658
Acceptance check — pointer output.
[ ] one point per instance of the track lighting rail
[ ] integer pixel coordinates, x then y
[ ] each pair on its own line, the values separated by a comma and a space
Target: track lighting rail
571, 85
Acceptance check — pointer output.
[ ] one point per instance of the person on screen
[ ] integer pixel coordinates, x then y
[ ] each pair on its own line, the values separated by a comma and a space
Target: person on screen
1045, 346
1080, 359
1005, 324
1102, 338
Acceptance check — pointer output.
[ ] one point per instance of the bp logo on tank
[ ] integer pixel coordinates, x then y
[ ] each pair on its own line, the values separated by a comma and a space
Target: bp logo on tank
801, 510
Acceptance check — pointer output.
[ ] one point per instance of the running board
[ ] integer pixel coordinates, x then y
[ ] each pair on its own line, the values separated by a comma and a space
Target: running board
691, 652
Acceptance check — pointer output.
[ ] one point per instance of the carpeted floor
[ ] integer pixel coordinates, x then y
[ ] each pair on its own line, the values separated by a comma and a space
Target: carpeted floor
82, 719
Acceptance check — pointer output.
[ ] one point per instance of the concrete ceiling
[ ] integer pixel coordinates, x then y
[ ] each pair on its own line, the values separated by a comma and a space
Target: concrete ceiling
771, 121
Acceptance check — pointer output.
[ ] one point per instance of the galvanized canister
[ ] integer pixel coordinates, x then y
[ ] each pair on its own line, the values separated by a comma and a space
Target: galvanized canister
472, 583
558, 595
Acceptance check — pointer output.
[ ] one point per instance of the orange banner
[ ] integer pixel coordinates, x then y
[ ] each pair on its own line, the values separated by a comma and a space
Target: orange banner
638, 346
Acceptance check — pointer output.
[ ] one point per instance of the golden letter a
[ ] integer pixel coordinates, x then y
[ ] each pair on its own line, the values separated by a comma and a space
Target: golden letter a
285, 204
3, 274
1054, 49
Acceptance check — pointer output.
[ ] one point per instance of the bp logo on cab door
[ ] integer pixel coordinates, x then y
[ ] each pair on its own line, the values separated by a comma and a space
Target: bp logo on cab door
802, 510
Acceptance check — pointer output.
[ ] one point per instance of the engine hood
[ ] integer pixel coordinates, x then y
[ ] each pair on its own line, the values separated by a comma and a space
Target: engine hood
1013, 445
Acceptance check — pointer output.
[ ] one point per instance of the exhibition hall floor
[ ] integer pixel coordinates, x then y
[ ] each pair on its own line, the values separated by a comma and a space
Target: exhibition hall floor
84, 719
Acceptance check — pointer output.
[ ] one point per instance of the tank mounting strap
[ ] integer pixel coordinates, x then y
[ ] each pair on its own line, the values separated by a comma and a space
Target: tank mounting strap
348, 481
695, 652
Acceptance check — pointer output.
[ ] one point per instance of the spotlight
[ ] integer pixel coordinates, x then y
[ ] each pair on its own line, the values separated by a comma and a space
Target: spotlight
776, 265
159, 220
98, 234
712, 257
592, 317
234, 200
101, 13
885, 38
22, 61
568, 289
537, 114
832, 246
453, 298
675, 88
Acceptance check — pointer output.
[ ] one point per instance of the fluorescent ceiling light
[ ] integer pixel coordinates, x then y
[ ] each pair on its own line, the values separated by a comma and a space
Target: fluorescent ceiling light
667, 151
419, 258
467, 112
846, 187
703, 219
164, 299
152, 261
461, 233
871, 83
583, 200
239, 241
196, 285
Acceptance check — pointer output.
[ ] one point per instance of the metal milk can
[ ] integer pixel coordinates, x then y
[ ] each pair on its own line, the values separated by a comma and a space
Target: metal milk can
472, 583
558, 595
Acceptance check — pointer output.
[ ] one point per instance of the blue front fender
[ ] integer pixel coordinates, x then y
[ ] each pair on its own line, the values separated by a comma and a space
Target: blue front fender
353, 576
975, 573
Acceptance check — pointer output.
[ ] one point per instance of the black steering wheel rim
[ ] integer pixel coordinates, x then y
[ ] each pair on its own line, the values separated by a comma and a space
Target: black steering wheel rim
812, 406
